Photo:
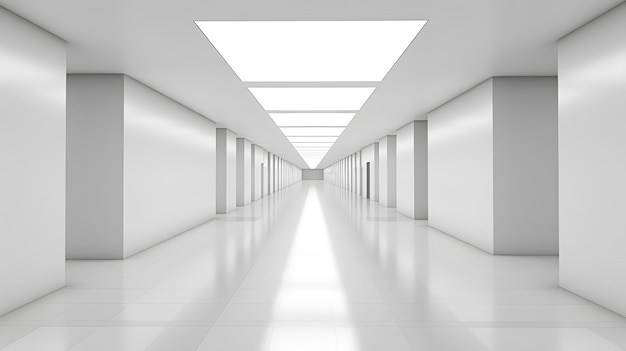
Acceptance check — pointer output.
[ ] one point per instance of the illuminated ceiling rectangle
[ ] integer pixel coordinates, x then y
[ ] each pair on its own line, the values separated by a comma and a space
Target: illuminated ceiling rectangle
312, 119
311, 51
312, 98
312, 77
312, 139
312, 131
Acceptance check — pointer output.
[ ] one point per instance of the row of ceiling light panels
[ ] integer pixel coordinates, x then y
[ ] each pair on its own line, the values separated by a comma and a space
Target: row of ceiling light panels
309, 67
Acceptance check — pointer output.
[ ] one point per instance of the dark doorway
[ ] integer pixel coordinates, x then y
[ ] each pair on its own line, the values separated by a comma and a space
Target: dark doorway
367, 180
262, 179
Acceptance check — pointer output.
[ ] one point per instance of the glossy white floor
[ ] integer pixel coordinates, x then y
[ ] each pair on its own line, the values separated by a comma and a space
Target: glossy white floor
313, 268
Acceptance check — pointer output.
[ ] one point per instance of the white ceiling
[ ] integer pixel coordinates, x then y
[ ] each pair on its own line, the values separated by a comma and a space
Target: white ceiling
464, 43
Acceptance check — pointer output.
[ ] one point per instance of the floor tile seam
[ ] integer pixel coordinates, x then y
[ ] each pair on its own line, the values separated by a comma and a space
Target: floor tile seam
176, 251
243, 279
555, 289
42, 327
22, 337
553, 304
165, 324
501, 304
83, 338
512, 324
87, 323
102, 328
271, 338
171, 325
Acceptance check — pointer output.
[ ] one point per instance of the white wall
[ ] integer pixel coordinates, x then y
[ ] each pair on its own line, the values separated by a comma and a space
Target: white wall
169, 168
387, 171
370, 154
312, 174
244, 172
226, 170
256, 161
141, 167
32, 154
95, 166
525, 165
592, 107
492, 166
460, 167
412, 170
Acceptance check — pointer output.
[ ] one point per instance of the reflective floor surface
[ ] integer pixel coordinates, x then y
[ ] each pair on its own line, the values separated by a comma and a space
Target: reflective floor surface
313, 267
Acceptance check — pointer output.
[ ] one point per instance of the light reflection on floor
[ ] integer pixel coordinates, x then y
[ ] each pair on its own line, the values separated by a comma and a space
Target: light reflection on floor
313, 268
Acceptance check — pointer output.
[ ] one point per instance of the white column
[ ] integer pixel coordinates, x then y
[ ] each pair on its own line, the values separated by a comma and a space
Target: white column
244, 172
226, 170
492, 166
257, 165
266, 173
592, 129
387, 169
32, 155
140, 167
412, 170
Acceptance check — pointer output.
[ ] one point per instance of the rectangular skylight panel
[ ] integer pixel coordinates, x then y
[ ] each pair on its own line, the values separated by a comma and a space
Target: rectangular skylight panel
298, 145
312, 151
312, 139
312, 119
312, 131
312, 146
305, 148
327, 51
312, 99
312, 157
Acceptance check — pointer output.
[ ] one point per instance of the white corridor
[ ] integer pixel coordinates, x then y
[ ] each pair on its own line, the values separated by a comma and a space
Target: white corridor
313, 267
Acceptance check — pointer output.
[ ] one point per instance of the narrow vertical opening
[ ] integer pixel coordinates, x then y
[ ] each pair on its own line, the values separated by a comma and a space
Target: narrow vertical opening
367, 179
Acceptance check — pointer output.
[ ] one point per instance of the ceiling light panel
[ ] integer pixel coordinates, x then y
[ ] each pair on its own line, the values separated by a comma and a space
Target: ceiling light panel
313, 152
312, 160
312, 148
312, 99
311, 51
298, 145
312, 131
312, 139
312, 119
